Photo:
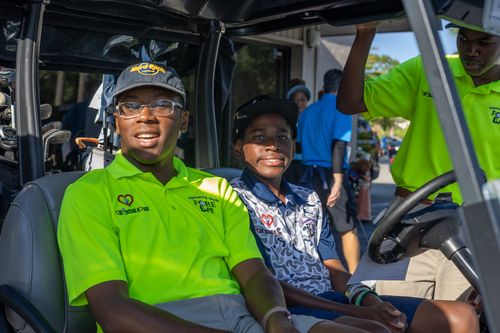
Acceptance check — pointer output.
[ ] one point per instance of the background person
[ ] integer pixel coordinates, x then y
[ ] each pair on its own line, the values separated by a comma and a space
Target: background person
301, 95
423, 155
324, 133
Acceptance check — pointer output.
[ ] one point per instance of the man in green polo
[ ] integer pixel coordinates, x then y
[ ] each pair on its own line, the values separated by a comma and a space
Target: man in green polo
423, 155
153, 246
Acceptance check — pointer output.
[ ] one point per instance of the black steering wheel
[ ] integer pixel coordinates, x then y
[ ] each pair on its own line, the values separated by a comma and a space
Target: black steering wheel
395, 217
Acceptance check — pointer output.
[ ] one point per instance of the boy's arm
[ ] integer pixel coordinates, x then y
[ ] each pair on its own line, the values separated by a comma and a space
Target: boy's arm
262, 293
352, 83
115, 311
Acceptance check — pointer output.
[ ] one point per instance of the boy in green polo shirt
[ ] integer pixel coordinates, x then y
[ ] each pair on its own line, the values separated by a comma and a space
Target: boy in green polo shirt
153, 246
423, 155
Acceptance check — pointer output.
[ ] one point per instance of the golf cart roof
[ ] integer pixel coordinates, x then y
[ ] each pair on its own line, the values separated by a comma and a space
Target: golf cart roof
93, 30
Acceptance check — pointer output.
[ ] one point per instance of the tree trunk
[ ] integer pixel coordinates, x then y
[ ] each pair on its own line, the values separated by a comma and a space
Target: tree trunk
59, 89
82, 85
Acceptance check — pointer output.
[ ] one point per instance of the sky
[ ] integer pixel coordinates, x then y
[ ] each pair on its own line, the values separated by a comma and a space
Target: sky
402, 46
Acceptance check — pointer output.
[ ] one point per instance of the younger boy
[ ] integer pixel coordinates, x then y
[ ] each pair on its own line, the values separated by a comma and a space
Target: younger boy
296, 242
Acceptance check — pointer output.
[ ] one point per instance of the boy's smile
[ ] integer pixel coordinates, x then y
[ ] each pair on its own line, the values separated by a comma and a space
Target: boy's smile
267, 148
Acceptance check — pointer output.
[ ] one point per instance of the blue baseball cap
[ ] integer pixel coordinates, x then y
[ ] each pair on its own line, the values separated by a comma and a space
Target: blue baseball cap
299, 87
149, 74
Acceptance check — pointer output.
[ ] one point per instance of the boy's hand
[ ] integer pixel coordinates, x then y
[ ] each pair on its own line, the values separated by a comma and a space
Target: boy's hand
278, 323
334, 195
384, 312
367, 26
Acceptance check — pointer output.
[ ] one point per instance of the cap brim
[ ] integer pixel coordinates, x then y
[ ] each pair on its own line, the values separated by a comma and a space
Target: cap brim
150, 84
285, 108
301, 88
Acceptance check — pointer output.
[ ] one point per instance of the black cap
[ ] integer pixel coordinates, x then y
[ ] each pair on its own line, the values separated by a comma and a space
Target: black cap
149, 74
265, 104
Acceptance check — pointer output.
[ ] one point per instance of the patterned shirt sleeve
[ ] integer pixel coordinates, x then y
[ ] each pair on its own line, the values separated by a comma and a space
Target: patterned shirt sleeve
326, 247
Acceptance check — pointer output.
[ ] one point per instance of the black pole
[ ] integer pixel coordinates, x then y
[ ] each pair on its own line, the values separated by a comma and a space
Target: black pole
206, 146
27, 104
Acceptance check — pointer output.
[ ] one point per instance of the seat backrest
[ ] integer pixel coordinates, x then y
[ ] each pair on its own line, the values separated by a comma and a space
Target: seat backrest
30, 261
228, 173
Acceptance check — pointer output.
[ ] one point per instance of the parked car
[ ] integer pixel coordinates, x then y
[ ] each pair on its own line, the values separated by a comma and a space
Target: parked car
368, 146
392, 144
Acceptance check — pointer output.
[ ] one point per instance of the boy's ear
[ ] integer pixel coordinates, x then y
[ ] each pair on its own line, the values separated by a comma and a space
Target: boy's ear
294, 147
116, 123
238, 149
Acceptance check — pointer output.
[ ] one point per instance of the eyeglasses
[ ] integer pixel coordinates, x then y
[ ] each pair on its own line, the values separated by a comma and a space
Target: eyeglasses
159, 108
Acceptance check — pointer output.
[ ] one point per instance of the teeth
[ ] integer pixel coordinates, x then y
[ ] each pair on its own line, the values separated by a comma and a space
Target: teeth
146, 136
275, 160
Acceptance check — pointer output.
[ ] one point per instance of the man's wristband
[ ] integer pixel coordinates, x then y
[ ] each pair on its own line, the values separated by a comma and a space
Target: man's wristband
360, 297
273, 310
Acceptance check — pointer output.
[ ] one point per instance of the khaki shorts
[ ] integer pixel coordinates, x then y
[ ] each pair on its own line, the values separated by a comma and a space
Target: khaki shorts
430, 275
226, 312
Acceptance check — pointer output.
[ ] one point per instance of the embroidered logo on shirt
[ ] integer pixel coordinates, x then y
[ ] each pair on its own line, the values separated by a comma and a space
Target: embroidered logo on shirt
126, 199
267, 220
427, 94
496, 114
206, 204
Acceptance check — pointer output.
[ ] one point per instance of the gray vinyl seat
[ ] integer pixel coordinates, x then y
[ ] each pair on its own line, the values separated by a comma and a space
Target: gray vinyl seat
30, 261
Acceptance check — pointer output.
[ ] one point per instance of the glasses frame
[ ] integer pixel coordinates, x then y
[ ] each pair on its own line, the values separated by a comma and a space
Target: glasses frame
175, 104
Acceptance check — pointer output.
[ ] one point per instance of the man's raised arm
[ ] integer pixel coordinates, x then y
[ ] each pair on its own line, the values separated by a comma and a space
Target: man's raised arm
352, 84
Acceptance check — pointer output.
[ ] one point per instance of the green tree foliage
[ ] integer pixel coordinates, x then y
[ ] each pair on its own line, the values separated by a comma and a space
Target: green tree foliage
377, 65
255, 74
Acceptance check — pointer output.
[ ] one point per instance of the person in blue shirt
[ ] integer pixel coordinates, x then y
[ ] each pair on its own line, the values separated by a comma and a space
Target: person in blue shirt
297, 245
324, 133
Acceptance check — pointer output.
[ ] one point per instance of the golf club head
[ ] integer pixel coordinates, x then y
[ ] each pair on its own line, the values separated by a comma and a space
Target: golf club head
46, 135
8, 77
56, 137
45, 111
52, 125
8, 133
5, 101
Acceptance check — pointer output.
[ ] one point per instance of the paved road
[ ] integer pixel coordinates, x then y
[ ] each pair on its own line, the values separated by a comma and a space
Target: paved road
381, 194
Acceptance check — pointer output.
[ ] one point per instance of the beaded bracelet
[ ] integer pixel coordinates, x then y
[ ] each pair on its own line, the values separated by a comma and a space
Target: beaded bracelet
360, 297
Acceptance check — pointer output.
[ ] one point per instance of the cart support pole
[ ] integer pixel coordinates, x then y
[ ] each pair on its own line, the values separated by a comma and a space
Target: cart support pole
27, 104
206, 144
480, 217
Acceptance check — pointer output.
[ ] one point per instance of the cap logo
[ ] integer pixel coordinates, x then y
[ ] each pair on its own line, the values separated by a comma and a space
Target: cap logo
147, 69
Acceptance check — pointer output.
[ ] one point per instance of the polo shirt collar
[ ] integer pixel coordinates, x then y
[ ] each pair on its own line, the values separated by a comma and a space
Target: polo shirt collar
262, 192
457, 69
122, 168
328, 96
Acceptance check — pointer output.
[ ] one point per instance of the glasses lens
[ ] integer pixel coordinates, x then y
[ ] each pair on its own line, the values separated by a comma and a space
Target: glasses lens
129, 109
162, 107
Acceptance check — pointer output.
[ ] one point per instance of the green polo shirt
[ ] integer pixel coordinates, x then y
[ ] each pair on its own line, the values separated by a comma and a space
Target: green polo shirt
168, 243
404, 92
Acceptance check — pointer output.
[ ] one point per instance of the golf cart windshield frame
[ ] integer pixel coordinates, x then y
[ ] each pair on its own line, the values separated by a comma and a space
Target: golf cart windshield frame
206, 30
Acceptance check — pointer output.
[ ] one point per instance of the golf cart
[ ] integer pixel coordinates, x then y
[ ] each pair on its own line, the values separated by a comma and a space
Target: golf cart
194, 37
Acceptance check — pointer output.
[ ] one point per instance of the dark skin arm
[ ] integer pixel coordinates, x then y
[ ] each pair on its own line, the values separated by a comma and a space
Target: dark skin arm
372, 307
352, 84
262, 293
115, 311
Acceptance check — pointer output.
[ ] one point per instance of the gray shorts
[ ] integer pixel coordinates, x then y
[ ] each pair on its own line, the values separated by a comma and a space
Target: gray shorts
226, 312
